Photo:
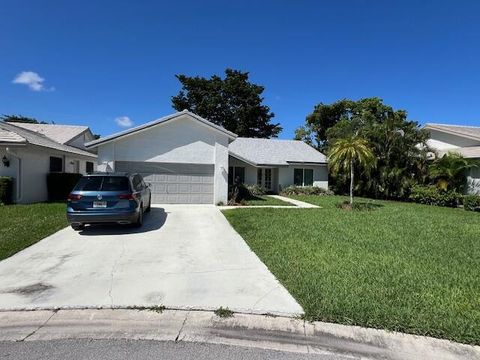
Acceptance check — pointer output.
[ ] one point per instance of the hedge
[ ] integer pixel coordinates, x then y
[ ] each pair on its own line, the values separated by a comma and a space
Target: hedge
59, 185
471, 202
6, 190
305, 190
431, 195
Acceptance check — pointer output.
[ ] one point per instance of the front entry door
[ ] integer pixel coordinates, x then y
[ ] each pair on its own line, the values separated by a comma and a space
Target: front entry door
264, 179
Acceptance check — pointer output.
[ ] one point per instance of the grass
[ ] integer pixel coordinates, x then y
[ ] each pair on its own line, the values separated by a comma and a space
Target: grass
223, 312
24, 225
398, 266
264, 200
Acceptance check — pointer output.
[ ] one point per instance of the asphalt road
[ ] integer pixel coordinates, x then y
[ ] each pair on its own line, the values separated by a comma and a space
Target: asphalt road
142, 350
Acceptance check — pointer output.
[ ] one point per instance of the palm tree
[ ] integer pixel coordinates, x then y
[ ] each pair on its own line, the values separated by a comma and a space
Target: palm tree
450, 171
348, 152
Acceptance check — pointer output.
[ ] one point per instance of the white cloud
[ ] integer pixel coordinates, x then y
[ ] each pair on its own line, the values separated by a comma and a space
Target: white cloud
32, 80
124, 121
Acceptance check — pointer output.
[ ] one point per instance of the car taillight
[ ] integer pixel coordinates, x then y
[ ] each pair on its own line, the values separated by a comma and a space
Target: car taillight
126, 196
74, 197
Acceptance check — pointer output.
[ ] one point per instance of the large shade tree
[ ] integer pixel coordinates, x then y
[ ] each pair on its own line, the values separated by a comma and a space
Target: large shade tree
232, 102
396, 142
346, 154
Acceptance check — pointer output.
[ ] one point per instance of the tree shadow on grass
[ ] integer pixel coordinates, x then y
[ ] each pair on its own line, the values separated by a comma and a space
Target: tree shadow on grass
359, 206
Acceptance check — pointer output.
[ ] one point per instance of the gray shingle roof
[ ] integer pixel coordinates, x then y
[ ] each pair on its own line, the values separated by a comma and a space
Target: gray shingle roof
159, 121
59, 133
468, 131
35, 138
274, 152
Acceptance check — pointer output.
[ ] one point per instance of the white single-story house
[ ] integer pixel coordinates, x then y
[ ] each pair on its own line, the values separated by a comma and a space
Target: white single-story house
28, 152
188, 159
464, 140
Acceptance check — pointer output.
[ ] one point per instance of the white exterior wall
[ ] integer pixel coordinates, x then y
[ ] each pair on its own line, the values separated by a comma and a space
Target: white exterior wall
182, 140
320, 175
220, 194
250, 171
106, 157
34, 167
282, 176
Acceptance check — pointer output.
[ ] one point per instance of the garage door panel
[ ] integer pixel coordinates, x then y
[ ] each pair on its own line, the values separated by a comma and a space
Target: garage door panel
175, 183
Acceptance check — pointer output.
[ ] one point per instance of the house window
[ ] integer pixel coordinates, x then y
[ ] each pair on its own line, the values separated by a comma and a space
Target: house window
56, 164
234, 173
240, 174
268, 179
89, 167
259, 177
307, 177
303, 177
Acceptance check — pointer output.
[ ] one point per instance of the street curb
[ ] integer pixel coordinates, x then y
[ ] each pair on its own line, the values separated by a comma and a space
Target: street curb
258, 331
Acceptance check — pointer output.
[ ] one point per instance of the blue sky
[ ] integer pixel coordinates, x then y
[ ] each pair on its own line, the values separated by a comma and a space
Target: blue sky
103, 60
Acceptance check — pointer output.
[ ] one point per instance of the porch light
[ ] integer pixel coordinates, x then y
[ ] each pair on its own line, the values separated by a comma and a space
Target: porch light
5, 161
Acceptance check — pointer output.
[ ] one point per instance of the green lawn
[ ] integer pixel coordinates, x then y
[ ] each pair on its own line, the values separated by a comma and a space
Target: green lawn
24, 225
266, 200
405, 267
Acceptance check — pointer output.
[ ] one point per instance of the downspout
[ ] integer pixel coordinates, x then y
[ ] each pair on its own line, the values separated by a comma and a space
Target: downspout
18, 191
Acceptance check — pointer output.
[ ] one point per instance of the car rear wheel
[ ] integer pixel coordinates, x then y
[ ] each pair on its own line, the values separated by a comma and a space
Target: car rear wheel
78, 227
139, 221
149, 204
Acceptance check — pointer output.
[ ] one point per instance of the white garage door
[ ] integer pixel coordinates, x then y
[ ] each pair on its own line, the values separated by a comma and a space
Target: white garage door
174, 183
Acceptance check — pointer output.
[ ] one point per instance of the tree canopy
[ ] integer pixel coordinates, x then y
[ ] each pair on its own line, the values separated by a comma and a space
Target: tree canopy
394, 139
20, 119
233, 102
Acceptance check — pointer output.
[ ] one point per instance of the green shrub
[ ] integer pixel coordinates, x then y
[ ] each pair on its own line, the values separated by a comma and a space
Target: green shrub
305, 190
237, 194
59, 185
431, 195
255, 190
6, 190
471, 202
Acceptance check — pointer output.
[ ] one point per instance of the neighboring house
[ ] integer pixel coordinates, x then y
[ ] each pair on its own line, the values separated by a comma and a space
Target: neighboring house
28, 152
464, 140
188, 159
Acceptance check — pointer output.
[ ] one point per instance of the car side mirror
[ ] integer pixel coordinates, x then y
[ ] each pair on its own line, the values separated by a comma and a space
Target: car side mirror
149, 185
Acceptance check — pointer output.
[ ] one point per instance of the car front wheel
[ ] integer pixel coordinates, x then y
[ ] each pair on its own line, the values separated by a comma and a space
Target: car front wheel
139, 221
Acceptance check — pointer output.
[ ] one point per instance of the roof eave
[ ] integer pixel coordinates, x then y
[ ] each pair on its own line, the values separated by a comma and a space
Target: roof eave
7, 143
307, 162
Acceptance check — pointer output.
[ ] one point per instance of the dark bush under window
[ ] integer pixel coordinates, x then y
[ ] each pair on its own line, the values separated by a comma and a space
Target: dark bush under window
56, 164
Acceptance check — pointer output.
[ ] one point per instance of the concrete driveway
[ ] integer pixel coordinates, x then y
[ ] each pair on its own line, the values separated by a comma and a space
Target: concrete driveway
185, 256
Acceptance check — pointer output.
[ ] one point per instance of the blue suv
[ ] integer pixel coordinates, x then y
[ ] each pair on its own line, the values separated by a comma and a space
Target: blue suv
120, 198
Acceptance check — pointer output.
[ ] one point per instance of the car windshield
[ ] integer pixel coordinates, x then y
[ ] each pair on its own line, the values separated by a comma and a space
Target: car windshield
102, 183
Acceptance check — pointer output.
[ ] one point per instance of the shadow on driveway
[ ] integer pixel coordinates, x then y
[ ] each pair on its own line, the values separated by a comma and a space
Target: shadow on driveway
152, 221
